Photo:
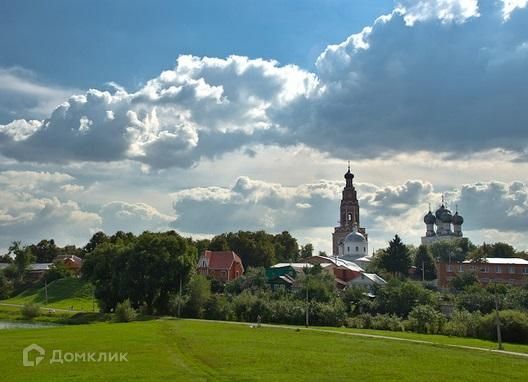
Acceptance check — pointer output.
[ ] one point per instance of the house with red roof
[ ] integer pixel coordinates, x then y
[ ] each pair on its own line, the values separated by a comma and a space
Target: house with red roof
221, 265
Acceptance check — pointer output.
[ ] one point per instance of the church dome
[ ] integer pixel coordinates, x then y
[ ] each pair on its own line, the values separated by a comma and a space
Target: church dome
355, 237
429, 218
446, 216
440, 211
457, 219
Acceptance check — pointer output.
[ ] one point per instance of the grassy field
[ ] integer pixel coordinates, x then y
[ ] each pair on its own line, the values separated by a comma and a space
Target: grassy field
62, 294
169, 350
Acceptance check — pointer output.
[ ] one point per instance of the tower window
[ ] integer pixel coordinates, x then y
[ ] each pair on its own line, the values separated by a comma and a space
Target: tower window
348, 249
357, 249
349, 217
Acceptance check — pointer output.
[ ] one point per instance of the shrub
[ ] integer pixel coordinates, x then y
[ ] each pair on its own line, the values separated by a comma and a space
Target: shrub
361, 321
425, 319
387, 322
30, 311
125, 312
514, 326
463, 324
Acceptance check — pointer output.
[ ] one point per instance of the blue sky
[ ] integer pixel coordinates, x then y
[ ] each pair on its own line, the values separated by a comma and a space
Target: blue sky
210, 116
84, 44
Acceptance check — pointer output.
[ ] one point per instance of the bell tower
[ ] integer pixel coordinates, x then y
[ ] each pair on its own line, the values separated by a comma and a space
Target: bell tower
349, 213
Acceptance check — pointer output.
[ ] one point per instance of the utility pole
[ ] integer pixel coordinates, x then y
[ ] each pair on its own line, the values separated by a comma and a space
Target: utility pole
46, 290
307, 322
497, 319
179, 299
93, 299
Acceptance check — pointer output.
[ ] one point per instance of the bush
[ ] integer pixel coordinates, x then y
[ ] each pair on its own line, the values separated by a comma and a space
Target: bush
378, 322
125, 312
30, 311
514, 326
387, 322
463, 324
425, 319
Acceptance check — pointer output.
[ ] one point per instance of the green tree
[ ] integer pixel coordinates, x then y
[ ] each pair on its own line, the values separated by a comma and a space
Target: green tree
23, 257
199, 292
319, 284
424, 263
6, 287
307, 250
396, 258
399, 297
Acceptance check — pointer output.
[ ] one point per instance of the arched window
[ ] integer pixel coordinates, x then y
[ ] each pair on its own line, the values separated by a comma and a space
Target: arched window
364, 249
348, 249
349, 217
357, 249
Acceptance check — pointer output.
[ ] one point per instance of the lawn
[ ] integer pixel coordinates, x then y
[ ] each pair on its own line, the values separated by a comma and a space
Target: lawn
169, 350
62, 294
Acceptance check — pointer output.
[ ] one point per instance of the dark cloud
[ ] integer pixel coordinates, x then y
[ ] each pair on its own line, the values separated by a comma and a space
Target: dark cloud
494, 205
442, 76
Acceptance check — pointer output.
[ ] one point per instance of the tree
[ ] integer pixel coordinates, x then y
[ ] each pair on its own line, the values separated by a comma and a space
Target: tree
98, 238
396, 259
286, 247
424, 263
145, 270
399, 297
307, 250
464, 280
319, 284
45, 251
199, 292
502, 250
454, 250
6, 288
23, 257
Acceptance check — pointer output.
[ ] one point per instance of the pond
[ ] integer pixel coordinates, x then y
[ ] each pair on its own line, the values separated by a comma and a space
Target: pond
24, 325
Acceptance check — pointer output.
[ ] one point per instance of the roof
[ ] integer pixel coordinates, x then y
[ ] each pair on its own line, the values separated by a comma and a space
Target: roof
76, 259
366, 277
365, 259
39, 266
338, 262
500, 260
222, 259
4, 265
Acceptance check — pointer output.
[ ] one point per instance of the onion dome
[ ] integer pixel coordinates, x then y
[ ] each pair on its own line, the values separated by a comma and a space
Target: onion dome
429, 218
446, 216
457, 219
440, 211
349, 175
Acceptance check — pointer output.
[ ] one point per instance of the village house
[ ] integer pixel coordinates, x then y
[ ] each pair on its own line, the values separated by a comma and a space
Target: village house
220, 265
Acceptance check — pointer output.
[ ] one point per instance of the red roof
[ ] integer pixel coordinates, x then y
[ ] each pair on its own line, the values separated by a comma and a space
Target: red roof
222, 259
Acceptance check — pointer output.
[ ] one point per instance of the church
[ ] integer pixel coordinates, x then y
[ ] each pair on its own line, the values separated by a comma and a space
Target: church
350, 240
448, 226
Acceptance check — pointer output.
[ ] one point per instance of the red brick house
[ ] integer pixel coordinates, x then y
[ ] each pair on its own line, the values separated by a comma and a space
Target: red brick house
220, 265
512, 271
71, 262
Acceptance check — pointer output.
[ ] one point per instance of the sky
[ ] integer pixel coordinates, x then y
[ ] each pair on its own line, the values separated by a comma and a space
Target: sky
207, 117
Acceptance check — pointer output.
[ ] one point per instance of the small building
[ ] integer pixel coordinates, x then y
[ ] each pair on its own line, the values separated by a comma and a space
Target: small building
283, 275
221, 265
71, 262
512, 271
368, 280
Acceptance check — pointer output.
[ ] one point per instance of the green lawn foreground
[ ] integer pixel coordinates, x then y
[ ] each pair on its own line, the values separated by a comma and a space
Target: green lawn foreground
182, 350
62, 294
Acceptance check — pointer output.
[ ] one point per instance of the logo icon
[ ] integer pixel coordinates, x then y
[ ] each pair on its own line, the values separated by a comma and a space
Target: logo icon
26, 361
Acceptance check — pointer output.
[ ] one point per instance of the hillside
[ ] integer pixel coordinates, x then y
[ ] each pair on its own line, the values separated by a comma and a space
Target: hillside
172, 350
62, 294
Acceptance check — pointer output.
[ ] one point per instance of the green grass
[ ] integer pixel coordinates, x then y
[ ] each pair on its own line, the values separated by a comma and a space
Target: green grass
62, 294
182, 350
437, 339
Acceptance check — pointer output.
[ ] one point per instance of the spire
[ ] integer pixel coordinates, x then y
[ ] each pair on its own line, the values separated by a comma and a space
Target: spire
348, 166
429, 207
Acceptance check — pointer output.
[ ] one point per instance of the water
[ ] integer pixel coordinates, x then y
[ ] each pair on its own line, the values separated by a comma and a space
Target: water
24, 325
